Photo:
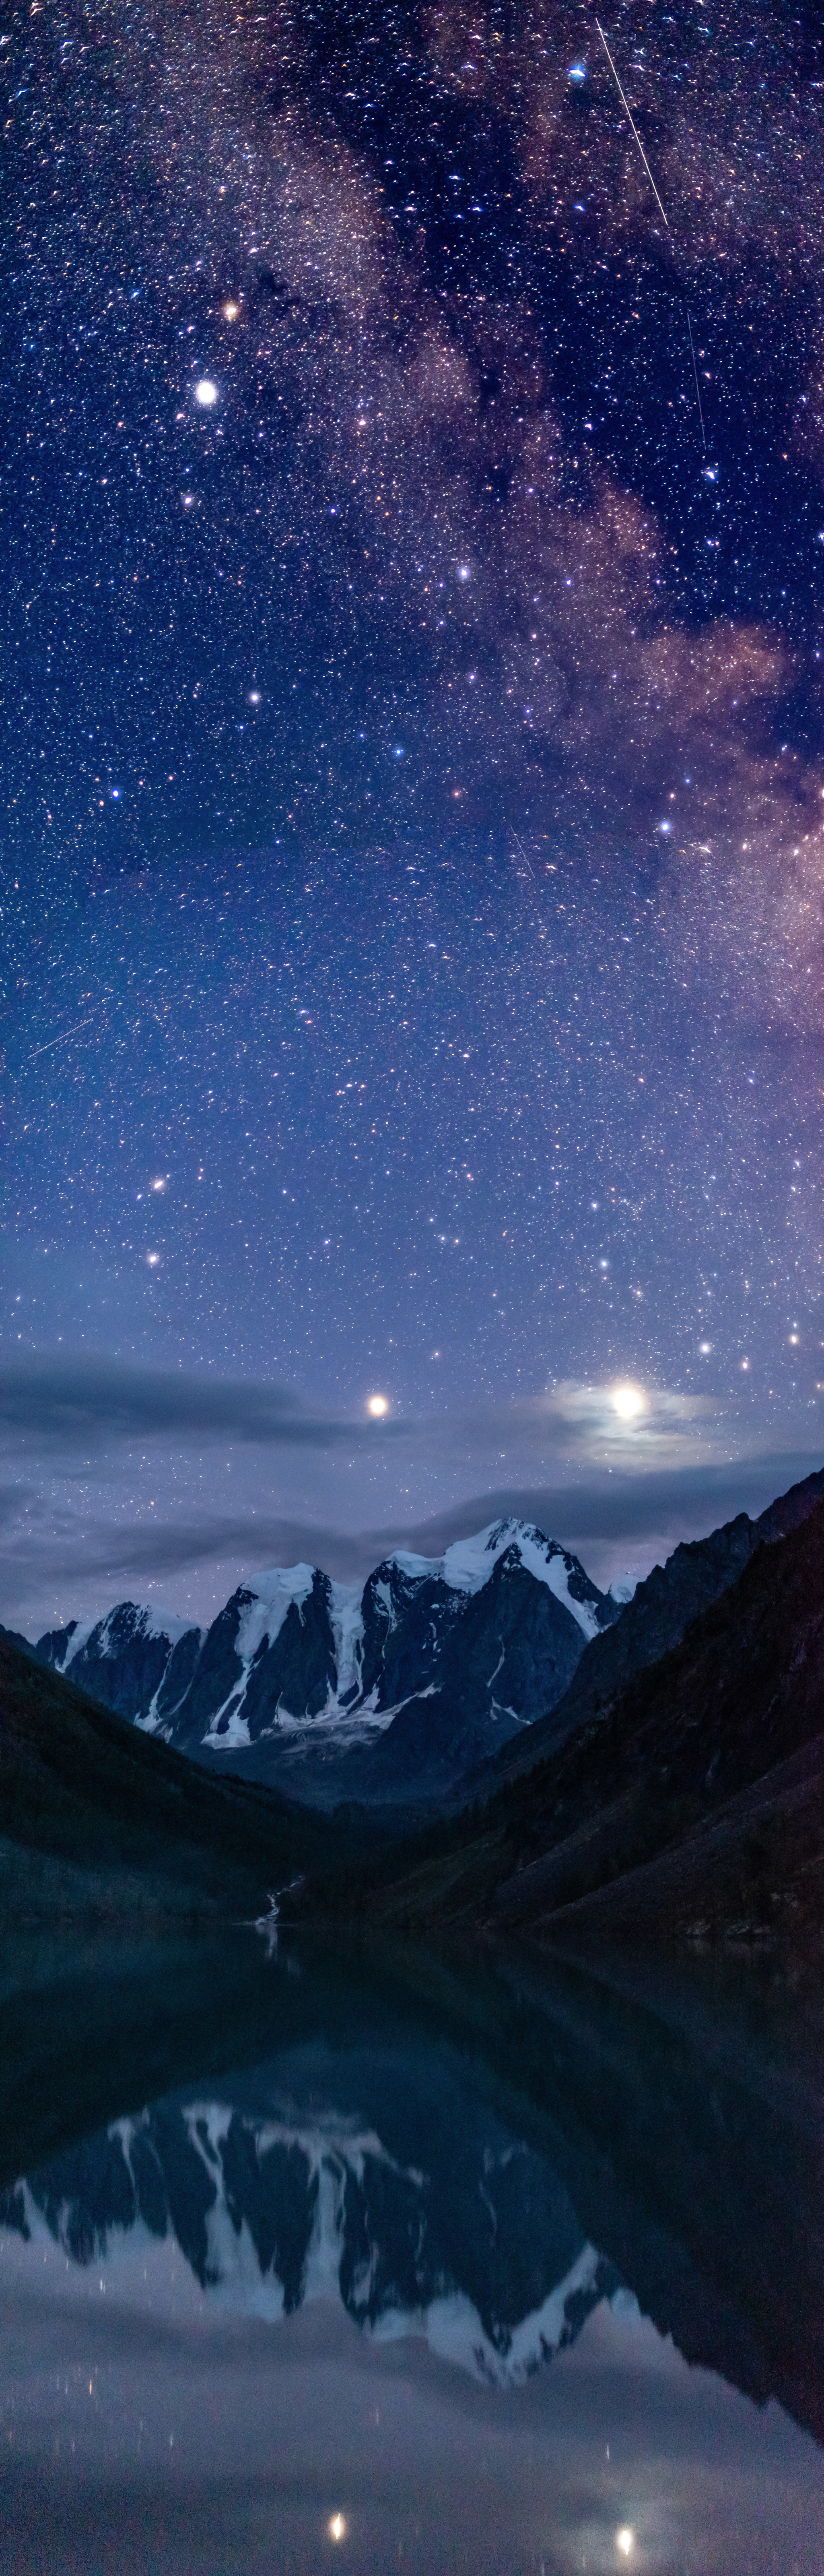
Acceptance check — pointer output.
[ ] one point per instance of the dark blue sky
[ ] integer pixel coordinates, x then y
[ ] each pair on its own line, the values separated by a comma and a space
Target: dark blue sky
415, 780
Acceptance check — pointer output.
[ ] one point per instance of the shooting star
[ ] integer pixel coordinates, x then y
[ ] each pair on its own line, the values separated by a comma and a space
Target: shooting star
63, 1038
516, 837
625, 103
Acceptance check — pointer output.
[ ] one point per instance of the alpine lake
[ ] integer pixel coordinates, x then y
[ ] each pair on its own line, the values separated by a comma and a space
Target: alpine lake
398, 2260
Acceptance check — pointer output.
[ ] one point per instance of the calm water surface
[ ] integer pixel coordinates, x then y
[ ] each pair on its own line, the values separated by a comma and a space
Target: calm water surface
413, 2268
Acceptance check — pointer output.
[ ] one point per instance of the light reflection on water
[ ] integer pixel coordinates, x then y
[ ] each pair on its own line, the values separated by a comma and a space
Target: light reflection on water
214, 2443
347, 2304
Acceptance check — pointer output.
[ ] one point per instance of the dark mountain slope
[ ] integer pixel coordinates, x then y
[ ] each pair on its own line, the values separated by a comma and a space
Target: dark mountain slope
739, 1703
13, 1637
751, 1874
698, 1573
92, 1813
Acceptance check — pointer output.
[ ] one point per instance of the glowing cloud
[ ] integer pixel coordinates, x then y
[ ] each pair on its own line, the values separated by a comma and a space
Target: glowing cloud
628, 1402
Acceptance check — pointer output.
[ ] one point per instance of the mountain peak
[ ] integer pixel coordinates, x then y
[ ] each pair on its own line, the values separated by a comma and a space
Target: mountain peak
468, 1563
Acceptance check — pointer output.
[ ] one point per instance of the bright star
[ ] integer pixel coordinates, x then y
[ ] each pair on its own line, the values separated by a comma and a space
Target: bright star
337, 2527
231, 311
377, 1405
205, 393
625, 2541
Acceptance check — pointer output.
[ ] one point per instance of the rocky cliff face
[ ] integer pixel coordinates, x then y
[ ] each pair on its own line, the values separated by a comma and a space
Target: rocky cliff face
137, 1661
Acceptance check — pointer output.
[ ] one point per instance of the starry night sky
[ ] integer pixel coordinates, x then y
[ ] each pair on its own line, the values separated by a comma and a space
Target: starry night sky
413, 848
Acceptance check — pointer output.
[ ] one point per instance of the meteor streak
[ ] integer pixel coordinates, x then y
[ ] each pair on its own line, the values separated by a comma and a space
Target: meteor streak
516, 837
63, 1036
626, 104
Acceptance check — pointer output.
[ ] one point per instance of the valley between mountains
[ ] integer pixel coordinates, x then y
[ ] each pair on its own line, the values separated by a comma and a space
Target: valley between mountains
482, 1744
437, 1680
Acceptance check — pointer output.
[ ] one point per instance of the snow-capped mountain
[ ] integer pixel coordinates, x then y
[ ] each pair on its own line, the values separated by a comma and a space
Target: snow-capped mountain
468, 2238
395, 1689
138, 1661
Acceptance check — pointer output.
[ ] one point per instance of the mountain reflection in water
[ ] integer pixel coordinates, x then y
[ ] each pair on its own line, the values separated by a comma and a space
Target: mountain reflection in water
271, 2206
409, 2285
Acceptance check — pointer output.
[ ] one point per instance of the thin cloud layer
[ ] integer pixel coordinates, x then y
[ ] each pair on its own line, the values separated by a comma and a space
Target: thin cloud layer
76, 1403
55, 1567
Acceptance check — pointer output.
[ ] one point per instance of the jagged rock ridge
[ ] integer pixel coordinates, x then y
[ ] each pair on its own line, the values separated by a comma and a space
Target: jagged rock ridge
436, 1662
437, 1680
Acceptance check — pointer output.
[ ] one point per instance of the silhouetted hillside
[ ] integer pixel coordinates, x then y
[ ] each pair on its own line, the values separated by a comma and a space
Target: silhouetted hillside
696, 1807
662, 1609
94, 1815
